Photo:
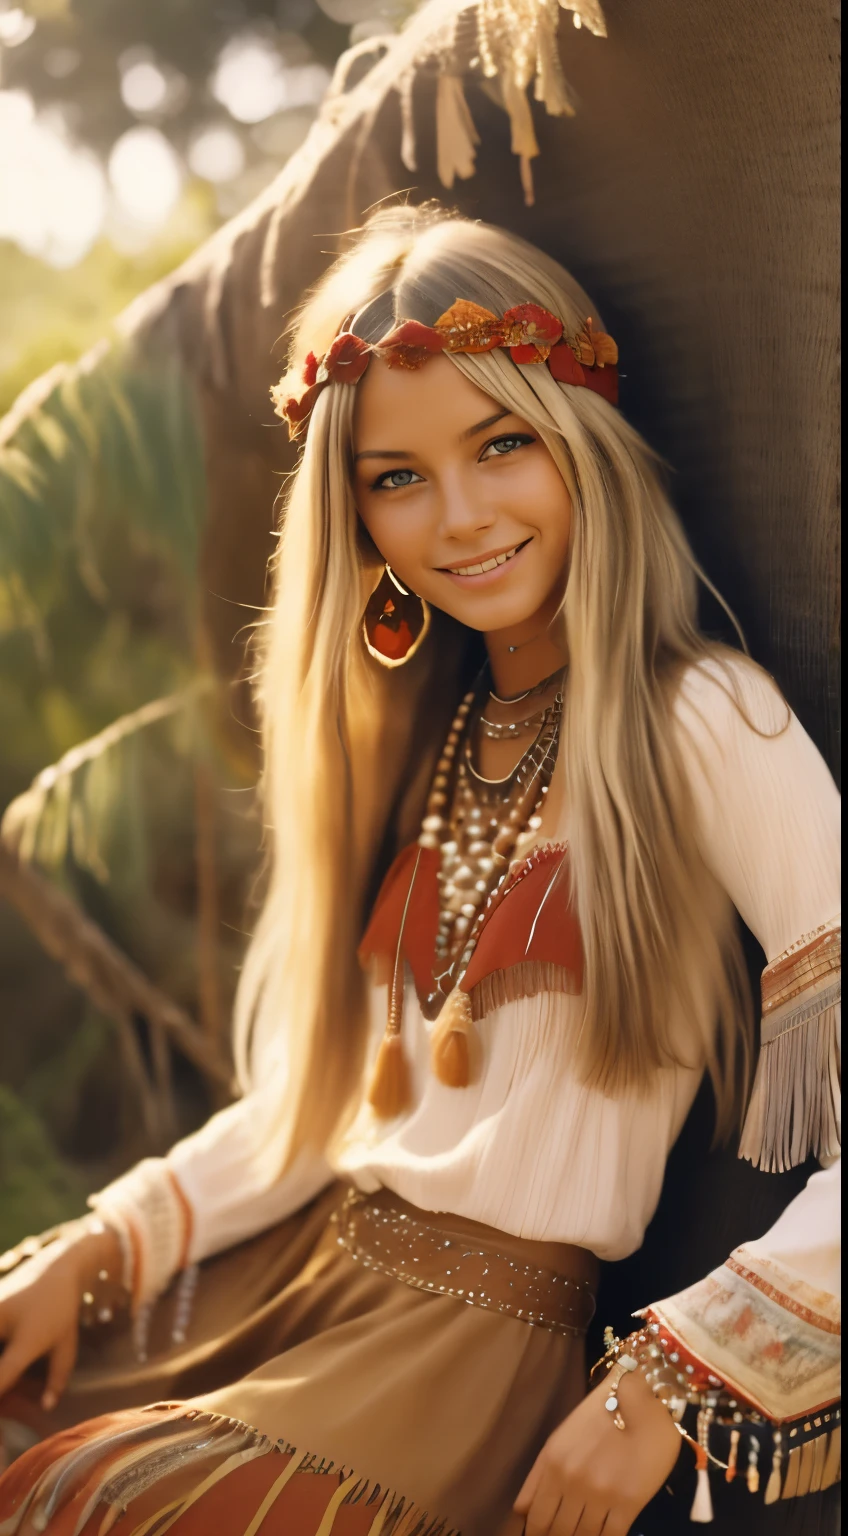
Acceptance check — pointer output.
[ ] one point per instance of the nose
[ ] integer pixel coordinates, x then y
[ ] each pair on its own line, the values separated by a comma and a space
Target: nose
462, 512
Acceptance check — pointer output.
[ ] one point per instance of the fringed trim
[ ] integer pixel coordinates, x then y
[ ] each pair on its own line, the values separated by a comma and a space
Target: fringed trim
117, 1466
456, 136
795, 1102
512, 45
529, 978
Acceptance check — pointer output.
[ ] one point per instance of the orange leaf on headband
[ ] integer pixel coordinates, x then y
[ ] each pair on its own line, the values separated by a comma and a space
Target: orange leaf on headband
529, 352
296, 411
530, 322
412, 334
467, 327
581, 346
606, 351
564, 365
410, 345
347, 358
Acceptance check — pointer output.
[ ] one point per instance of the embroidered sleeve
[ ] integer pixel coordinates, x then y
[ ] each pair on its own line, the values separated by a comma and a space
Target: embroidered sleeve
764, 1333
795, 1103
148, 1206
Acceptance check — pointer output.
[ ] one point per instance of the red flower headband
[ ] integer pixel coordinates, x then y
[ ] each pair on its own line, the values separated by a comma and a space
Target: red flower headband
532, 335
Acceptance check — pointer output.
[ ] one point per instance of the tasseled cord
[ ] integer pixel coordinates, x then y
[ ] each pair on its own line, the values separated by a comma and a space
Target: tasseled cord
390, 1091
702, 1507
449, 1044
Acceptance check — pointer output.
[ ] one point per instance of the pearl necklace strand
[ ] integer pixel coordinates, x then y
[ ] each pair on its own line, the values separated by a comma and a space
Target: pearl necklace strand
478, 835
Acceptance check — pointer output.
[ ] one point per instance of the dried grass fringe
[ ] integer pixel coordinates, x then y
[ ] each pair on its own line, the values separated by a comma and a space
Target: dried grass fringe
159, 1447
795, 1103
529, 978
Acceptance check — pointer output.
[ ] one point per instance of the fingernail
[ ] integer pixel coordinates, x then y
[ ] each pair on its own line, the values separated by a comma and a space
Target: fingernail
48, 1401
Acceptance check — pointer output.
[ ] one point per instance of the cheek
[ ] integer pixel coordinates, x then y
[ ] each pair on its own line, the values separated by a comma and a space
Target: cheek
398, 538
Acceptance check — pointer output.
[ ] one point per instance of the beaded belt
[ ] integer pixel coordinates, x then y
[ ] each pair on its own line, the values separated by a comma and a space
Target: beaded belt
384, 1233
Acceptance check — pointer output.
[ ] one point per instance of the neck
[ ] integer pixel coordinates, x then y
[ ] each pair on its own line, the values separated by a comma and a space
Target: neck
525, 653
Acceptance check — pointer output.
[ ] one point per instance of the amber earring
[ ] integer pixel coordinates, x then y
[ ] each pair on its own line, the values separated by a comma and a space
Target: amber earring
395, 622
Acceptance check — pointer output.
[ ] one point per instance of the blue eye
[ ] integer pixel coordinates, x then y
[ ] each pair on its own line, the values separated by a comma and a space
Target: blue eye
395, 480
501, 446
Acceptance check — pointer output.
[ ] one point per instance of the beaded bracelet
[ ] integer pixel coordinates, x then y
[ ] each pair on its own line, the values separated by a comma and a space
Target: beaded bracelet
811, 1464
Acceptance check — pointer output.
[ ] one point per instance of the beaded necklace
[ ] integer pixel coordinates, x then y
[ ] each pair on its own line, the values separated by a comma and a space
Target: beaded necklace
475, 823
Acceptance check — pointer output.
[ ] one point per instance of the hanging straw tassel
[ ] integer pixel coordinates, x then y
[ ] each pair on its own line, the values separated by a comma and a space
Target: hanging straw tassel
456, 136
449, 1046
524, 141
390, 1090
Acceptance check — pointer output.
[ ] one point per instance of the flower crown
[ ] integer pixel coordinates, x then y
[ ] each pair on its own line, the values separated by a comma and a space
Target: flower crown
531, 335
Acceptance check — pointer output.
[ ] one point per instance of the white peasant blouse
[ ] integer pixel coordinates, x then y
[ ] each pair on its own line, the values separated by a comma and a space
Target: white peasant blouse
528, 1148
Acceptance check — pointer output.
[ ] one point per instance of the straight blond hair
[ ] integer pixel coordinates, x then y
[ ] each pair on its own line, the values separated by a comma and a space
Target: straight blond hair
348, 748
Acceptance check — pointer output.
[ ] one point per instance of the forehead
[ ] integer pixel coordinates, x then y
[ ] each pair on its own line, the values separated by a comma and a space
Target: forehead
409, 408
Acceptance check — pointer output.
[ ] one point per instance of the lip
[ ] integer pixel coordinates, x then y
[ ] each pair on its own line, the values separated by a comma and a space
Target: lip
485, 578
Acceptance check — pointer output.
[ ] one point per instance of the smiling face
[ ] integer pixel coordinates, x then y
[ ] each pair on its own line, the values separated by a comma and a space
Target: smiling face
461, 497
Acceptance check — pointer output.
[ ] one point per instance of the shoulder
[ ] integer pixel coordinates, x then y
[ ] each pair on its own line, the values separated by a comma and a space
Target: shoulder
726, 694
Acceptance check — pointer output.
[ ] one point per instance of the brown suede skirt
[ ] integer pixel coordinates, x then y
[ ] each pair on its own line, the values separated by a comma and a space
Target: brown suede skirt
364, 1367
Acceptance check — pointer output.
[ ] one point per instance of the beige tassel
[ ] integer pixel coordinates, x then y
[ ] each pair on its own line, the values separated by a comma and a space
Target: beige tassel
449, 1046
773, 1485
701, 1512
389, 1093
833, 1460
524, 141
408, 147
390, 1090
702, 1507
793, 1467
456, 136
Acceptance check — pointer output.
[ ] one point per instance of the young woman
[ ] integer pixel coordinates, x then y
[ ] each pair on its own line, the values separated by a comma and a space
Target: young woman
514, 796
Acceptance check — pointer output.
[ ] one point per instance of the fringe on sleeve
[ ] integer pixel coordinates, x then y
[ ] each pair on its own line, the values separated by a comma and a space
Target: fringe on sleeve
795, 1103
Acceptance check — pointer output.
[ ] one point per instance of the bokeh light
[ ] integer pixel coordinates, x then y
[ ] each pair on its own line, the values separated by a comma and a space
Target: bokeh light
16, 26
52, 192
146, 177
216, 154
255, 78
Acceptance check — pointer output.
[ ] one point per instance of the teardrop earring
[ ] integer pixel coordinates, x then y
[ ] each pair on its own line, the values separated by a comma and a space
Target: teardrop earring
395, 622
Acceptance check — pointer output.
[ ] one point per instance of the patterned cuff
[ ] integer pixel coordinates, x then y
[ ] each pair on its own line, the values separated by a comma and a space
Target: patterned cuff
795, 1102
767, 1335
148, 1204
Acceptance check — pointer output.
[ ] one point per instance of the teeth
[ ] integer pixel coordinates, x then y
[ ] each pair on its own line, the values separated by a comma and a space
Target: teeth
486, 565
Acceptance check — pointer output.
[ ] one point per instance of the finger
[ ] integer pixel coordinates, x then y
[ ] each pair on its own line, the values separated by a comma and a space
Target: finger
542, 1512
62, 1361
528, 1489
592, 1522
13, 1362
569, 1519
618, 1522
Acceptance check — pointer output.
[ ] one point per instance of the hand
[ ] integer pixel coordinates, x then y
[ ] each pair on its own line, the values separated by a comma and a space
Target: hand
591, 1477
40, 1304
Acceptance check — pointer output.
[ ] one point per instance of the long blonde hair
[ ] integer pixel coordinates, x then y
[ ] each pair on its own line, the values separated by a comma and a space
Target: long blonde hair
348, 748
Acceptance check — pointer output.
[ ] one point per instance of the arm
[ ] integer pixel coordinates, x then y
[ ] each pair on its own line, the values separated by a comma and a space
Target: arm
767, 1321
211, 1191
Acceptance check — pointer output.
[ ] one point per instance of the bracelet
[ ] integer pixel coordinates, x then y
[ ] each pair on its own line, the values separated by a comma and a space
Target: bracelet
622, 1367
805, 1454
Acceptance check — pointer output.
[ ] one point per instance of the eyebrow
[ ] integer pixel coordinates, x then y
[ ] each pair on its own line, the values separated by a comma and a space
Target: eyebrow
401, 453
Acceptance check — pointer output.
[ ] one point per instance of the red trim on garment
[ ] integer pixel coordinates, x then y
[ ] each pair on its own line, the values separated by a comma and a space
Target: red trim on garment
187, 1214
533, 920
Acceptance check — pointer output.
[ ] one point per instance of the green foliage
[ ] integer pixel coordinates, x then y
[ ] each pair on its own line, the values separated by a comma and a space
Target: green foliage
101, 509
104, 702
54, 316
39, 1189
